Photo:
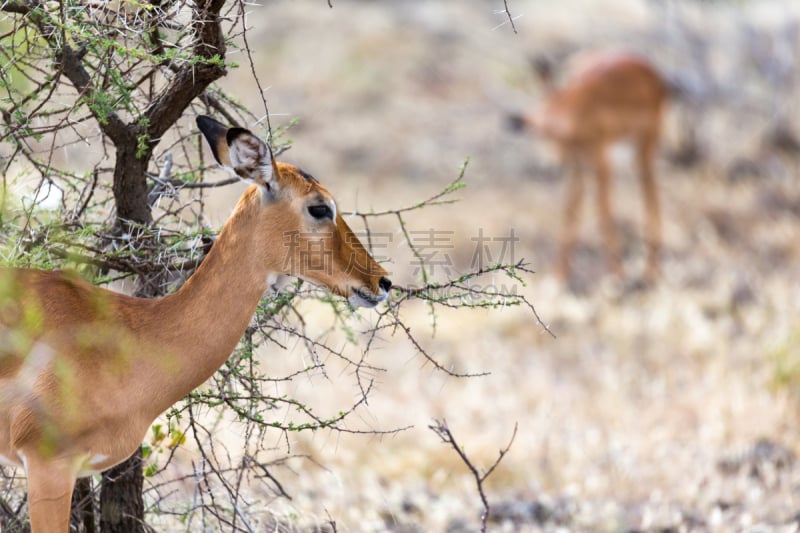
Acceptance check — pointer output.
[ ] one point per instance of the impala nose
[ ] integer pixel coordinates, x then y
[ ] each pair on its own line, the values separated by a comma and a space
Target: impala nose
385, 283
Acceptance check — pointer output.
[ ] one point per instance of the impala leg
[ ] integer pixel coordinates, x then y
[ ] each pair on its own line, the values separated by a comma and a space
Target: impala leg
572, 215
50, 485
652, 214
603, 171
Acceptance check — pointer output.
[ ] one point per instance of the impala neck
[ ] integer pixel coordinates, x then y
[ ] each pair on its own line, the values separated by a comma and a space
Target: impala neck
213, 308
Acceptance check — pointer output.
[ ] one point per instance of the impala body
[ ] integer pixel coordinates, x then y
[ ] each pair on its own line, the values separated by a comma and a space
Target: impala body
84, 371
609, 97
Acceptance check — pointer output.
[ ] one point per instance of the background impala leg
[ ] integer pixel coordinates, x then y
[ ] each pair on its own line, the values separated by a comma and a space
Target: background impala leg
603, 172
572, 215
652, 213
50, 487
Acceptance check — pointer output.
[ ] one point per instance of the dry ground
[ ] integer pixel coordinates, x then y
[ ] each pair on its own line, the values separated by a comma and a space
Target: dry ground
673, 408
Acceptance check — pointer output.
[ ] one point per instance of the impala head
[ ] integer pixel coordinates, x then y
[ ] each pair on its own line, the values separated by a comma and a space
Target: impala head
300, 219
545, 120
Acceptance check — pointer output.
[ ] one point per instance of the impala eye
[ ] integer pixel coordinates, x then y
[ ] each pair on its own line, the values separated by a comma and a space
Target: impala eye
320, 211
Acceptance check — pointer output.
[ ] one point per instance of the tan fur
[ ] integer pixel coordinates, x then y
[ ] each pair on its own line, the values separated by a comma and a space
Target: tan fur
92, 368
610, 97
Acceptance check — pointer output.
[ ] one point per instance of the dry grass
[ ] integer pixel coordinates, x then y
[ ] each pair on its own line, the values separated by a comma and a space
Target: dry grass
644, 412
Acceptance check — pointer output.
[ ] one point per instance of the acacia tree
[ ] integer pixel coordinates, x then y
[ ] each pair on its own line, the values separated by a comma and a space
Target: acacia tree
117, 85
127, 73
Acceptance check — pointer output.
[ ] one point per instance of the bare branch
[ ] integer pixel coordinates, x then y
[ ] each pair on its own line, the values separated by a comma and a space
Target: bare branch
443, 431
192, 78
510, 18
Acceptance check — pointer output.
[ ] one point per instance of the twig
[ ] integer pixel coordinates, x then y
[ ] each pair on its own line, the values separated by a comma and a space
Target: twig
249, 54
437, 199
331, 521
510, 18
6, 509
458, 292
440, 428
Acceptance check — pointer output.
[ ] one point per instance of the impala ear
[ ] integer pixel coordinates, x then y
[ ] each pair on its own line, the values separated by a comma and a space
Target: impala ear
240, 152
214, 132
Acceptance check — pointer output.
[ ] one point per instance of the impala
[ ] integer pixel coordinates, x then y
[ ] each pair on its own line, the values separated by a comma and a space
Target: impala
610, 97
84, 371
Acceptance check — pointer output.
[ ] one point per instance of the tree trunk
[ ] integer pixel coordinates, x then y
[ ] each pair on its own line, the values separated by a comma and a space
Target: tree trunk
130, 182
83, 517
121, 503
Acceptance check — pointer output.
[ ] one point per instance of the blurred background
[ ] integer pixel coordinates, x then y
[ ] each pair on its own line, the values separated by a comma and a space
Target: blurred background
671, 406
668, 408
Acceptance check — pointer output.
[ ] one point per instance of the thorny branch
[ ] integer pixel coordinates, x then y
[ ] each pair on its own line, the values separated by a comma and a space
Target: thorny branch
443, 431
256, 79
443, 197
510, 18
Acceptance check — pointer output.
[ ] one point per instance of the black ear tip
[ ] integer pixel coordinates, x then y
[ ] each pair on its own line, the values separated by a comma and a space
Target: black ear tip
210, 127
233, 133
204, 121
